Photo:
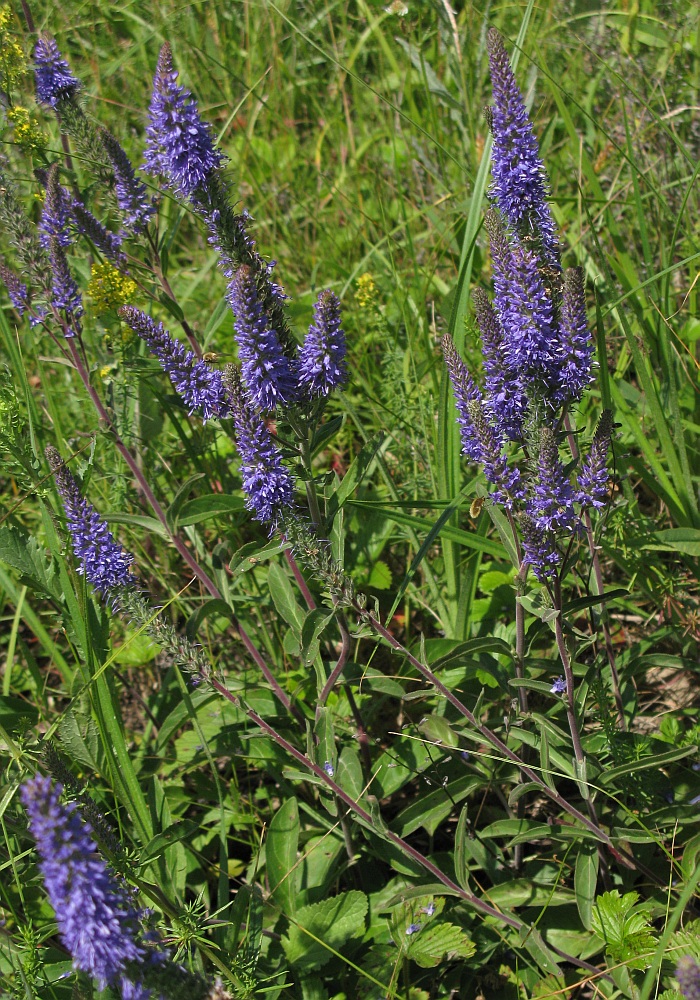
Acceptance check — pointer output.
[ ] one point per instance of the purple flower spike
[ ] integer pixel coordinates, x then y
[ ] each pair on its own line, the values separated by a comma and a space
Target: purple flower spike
132, 196
268, 485
577, 344
494, 459
465, 392
322, 357
539, 549
65, 294
96, 919
505, 401
200, 386
180, 145
56, 214
101, 559
266, 370
519, 178
16, 289
54, 80
593, 477
688, 976
552, 507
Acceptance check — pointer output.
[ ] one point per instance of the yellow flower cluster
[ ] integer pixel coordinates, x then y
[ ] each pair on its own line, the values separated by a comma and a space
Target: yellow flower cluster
109, 288
13, 65
28, 135
366, 294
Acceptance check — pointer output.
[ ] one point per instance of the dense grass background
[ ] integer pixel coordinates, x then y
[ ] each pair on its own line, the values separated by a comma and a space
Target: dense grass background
356, 140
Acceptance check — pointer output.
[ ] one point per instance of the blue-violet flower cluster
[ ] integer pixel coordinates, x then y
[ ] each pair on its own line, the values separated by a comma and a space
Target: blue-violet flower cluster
54, 80
537, 348
322, 365
101, 560
96, 919
199, 385
268, 485
180, 145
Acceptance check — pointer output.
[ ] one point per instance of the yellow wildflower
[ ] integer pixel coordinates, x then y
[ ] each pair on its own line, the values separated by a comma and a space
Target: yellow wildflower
13, 64
28, 135
109, 288
366, 294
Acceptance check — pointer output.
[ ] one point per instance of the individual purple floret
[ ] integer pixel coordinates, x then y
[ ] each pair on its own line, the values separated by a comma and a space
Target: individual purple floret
559, 685
322, 365
54, 80
16, 289
267, 372
574, 373
101, 559
552, 505
65, 294
96, 919
132, 195
688, 976
465, 392
199, 385
519, 178
180, 145
56, 213
593, 476
268, 485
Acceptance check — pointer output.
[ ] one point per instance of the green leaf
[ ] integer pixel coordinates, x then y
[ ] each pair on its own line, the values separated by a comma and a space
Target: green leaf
202, 508
380, 577
322, 926
436, 943
324, 433
171, 514
136, 650
585, 880
281, 856
686, 540
80, 739
349, 773
311, 631
462, 856
216, 606
655, 761
284, 598
151, 524
183, 830
624, 925
23, 553
438, 730
533, 942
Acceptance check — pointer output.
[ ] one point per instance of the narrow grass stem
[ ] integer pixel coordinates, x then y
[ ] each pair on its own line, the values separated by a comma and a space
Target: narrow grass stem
340, 665
569, 677
148, 493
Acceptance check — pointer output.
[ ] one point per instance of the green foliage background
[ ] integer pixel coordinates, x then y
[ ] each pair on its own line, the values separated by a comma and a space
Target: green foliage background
356, 140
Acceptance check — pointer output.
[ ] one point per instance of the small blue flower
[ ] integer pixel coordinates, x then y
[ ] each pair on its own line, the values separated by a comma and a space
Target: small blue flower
101, 560
519, 178
559, 686
688, 976
552, 506
328, 768
54, 80
465, 392
132, 196
180, 145
96, 919
16, 289
267, 372
200, 386
593, 476
65, 294
268, 485
322, 365
429, 910
413, 928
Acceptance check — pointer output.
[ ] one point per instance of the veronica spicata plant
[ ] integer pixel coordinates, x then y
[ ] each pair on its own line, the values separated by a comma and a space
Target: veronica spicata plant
537, 363
446, 900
